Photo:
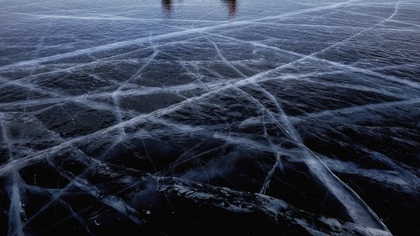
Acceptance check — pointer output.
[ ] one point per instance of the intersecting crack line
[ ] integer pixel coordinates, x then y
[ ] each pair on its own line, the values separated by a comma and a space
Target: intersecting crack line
107, 47
355, 213
286, 127
375, 73
271, 70
357, 209
16, 205
161, 112
110, 200
105, 60
16, 212
337, 64
353, 109
115, 94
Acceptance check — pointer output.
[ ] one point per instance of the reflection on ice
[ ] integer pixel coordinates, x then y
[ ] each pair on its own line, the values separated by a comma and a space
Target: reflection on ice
296, 117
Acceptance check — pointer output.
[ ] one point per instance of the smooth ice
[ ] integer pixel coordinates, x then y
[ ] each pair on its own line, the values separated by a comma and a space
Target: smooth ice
203, 117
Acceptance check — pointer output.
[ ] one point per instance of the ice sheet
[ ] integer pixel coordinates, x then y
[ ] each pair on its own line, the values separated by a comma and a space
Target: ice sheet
186, 117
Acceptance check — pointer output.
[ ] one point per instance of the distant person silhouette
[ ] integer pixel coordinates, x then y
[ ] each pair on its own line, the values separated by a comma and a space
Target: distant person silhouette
231, 4
167, 7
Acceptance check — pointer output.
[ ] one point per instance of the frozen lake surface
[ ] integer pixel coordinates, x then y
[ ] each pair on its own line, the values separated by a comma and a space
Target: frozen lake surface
209, 117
